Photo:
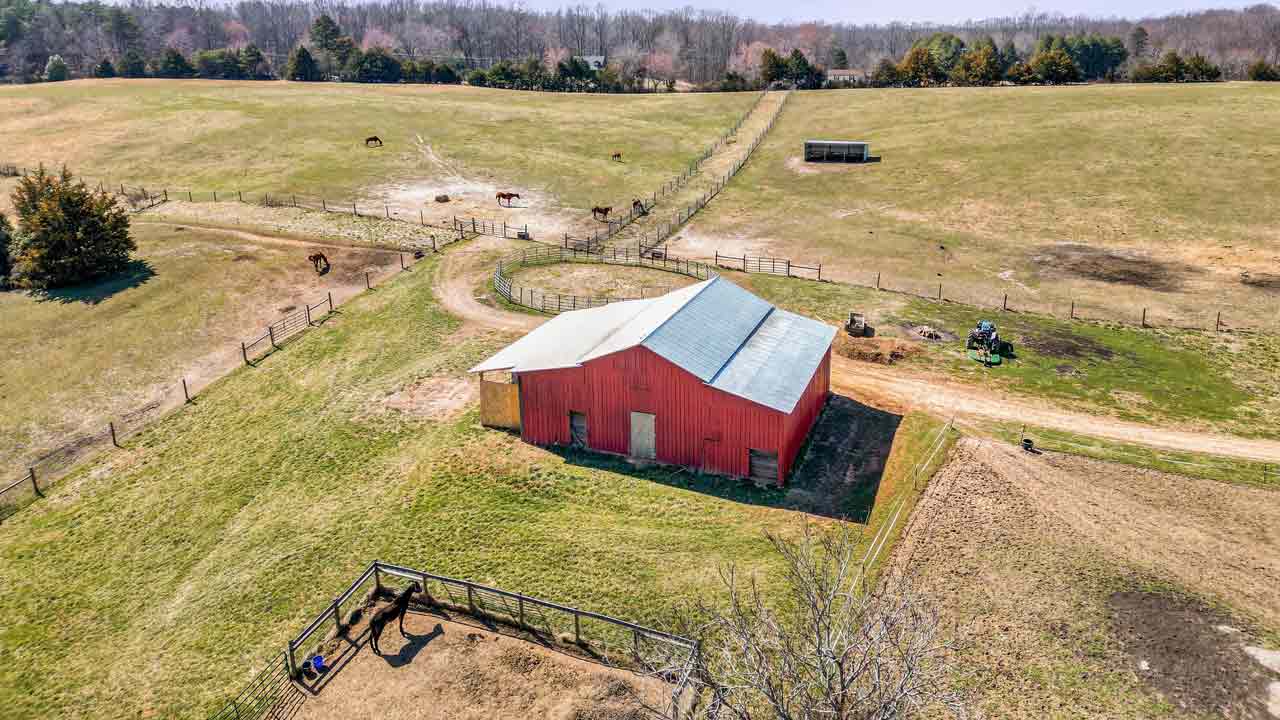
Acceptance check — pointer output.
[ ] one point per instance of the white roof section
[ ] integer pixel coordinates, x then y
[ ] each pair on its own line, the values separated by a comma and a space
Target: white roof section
715, 330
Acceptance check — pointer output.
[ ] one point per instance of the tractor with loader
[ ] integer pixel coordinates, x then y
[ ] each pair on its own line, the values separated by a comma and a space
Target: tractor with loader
985, 345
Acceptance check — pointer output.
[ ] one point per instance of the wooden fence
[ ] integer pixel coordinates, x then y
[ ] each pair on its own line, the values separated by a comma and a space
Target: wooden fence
555, 303
768, 265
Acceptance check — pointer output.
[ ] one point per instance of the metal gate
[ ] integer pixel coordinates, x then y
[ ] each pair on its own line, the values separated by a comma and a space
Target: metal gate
578, 429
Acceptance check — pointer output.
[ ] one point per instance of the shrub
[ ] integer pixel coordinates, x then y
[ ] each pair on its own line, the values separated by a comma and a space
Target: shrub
445, 74
919, 68
1054, 67
1199, 69
55, 69
302, 67
886, 74
254, 65
377, 66
1263, 71
67, 233
104, 69
219, 65
479, 78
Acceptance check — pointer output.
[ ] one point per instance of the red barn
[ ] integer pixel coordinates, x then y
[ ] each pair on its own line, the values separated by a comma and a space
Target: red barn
709, 376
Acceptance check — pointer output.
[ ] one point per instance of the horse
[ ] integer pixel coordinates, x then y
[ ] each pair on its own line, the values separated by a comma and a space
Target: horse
638, 208
508, 197
393, 612
373, 141
601, 213
617, 156
320, 262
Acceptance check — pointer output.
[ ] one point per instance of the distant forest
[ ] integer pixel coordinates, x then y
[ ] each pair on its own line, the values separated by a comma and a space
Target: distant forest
698, 47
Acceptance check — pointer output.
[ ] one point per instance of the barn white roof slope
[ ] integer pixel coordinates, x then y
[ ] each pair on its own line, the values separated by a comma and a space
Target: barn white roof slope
715, 330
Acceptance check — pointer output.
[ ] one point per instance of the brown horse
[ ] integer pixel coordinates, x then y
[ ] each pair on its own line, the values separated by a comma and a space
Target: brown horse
320, 262
638, 208
601, 213
507, 197
373, 141
391, 613
617, 156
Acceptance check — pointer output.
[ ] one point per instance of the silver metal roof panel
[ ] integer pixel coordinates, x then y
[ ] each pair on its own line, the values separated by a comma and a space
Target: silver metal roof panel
775, 365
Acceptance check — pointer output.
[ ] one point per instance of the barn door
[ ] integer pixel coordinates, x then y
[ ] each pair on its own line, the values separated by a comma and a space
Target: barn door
578, 429
644, 442
763, 466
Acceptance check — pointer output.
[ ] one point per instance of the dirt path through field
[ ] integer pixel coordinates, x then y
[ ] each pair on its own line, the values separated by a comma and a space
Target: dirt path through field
878, 386
712, 171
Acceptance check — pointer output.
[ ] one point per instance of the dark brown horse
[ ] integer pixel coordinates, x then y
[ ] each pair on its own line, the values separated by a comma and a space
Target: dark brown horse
320, 262
373, 141
507, 197
601, 213
617, 156
391, 613
638, 208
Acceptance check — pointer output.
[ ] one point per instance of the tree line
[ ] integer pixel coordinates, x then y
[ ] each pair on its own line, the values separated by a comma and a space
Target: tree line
644, 50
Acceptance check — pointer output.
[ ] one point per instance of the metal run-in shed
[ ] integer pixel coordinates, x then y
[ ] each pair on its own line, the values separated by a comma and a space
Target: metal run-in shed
708, 376
846, 151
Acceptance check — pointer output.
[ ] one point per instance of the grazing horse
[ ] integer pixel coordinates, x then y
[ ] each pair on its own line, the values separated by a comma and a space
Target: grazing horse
638, 208
508, 197
393, 612
373, 141
320, 262
601, 213
617, 156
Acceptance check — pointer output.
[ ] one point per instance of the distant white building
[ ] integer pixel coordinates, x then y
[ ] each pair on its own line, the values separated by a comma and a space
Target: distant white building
595, 62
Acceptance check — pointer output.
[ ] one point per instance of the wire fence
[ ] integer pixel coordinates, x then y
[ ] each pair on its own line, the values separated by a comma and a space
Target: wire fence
605, 639
43, 471
555, 303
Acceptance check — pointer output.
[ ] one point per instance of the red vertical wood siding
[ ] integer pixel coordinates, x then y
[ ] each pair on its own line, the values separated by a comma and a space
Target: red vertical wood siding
696, 425
797, 425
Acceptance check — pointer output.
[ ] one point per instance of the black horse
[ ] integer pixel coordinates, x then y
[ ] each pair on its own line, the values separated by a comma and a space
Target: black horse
393, 612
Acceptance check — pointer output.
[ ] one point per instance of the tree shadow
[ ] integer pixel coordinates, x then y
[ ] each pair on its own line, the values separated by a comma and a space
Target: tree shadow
134, 274
837, 474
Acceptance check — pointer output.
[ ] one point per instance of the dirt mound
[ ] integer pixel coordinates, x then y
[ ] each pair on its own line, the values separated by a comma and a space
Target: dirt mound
1118, 267
1263, 281
882, 350
1190, 652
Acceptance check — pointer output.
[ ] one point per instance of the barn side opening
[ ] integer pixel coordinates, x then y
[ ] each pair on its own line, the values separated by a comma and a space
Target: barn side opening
499, 401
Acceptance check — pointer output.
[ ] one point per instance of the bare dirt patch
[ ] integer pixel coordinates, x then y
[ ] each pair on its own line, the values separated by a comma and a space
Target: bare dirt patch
446, 669
599, 280
1263, 281
1064, 344
1117, 267
435, 398
880, 350
1191, 653
797, 165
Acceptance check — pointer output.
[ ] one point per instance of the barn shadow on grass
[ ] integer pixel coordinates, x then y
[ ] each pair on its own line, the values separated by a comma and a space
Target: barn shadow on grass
135, 274
837, 473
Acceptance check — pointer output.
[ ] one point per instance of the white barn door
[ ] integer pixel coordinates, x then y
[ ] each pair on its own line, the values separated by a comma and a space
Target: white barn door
644, 442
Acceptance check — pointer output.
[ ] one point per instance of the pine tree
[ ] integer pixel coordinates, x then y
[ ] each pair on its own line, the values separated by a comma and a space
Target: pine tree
55, 69
302, 67
839, 59
104, 69
132, 65
325, 33
173, 64
6, 237
1139, 43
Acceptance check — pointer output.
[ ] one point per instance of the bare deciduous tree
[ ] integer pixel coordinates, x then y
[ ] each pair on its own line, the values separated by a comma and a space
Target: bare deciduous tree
833, 644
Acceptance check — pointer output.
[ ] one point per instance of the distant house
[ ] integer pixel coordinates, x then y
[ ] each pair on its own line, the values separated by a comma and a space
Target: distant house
708, 376
595, 62
845, 77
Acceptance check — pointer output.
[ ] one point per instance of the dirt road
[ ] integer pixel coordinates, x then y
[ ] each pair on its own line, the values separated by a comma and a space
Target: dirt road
890, 389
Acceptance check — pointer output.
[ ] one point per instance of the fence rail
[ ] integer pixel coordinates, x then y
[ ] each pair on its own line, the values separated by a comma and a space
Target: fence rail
555, 303
768, 265
614, 641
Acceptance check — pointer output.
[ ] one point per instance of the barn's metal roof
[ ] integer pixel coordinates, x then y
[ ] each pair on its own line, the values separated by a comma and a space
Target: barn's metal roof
715, 330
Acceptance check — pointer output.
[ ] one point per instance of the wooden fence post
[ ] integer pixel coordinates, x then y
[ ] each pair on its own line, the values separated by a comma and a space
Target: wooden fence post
1144, 317
577, 626
307, 307
330, 301
112, 427
271, 333
244, 352
215, 196
387, 208
323, 205
35, 487
939, 291
422, 220
402, 267
367, 284
1217, 325
1004, 304
295, 201
185, 392
240, 196
353, 210
1073, 310
877, 280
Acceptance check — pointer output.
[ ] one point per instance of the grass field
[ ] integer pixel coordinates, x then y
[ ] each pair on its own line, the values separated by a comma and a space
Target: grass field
308, 138
75, 359
1117, 197
228, 523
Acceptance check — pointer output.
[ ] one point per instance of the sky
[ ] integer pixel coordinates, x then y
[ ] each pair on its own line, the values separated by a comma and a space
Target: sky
885, 11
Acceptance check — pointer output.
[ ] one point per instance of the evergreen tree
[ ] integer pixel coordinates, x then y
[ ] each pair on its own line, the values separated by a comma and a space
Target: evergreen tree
772, 67
325, 33
173, 64
1199, 69
1263, 71
253, 64
1054, 67
104, 69
919, 69
67, 233
302, 67
1139, 43
839, 59
132, 65
6, 237
377, 66
55, 69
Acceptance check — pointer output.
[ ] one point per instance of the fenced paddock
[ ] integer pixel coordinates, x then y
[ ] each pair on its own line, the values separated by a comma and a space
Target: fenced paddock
555, 303
595, 636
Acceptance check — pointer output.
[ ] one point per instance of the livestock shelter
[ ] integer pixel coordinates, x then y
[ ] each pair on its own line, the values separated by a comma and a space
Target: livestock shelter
847, 151
709, 376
